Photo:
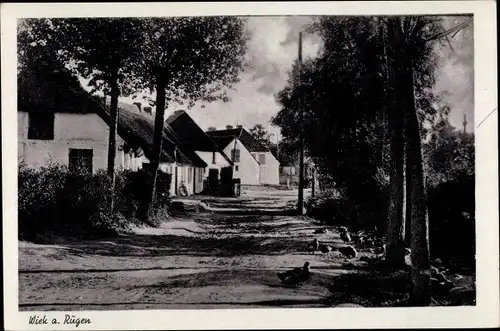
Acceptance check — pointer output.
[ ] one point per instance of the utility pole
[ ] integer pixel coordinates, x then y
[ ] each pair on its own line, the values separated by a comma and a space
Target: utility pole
300, 204
465, 122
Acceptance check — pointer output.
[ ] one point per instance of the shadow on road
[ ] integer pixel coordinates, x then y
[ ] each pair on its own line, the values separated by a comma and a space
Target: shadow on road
165, 245
214, 305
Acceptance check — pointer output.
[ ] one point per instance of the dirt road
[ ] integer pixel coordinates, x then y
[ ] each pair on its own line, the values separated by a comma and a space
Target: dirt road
225, 256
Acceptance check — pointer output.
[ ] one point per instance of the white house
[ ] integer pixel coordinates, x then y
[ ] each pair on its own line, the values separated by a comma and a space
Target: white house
254, 163
193, 138
58, 122
195, 153
73, 138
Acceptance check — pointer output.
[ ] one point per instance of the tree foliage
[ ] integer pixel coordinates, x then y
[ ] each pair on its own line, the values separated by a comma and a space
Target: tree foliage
178, 58
260, 134
342, 94
187, 59
448, 154
200, 58
371, 88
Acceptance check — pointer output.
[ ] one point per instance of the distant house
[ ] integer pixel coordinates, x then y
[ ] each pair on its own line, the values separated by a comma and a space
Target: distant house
59, 122
178, 159
254, 163
197, 144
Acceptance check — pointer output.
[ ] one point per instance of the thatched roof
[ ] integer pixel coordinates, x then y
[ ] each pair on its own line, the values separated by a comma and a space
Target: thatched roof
191, 134
60, 91
224, 137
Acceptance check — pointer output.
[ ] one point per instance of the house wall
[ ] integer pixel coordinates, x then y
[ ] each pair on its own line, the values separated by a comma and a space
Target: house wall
289, 170
72, 131
191, 176
220, 161
270, 171
248, 168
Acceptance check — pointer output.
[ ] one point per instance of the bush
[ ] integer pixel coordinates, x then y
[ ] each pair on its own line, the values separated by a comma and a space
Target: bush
54, 200
38, 192
362, 211
136, 187
385, 288
451, 207
371, 289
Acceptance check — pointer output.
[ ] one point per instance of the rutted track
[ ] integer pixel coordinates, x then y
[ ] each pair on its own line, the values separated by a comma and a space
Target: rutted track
224, 257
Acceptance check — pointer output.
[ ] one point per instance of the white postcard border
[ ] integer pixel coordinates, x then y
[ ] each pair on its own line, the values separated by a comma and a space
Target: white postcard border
485, 87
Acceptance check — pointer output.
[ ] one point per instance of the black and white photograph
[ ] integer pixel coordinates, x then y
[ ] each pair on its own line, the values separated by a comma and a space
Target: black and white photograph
248, 162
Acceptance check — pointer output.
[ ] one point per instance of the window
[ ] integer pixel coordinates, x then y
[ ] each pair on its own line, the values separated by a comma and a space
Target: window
213, 158
236, 168
262, 159
235, 155
190, 175
80, 160
41, 126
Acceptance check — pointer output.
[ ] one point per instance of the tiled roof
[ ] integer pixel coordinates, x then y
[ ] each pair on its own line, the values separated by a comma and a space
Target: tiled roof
141, 126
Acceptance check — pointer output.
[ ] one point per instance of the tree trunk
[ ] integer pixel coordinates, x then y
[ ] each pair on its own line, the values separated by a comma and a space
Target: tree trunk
420, 295
158, 138
115, 92
395, 247
408, 189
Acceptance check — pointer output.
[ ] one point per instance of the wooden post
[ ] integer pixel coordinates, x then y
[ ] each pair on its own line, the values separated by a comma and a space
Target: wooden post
300, 203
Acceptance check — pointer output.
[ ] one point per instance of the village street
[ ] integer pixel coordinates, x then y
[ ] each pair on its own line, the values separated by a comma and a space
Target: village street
219, 253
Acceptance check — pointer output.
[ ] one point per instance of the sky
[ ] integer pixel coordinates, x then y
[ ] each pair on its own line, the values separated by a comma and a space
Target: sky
272, 50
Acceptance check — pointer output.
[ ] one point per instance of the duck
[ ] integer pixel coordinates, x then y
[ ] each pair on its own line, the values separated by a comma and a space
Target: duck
345, 237
348, 251
342, 229
313, 246
324, 249
441, 283
296, 276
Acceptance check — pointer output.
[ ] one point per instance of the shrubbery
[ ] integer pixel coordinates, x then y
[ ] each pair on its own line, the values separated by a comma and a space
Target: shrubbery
451, 209
358, 212
53, 200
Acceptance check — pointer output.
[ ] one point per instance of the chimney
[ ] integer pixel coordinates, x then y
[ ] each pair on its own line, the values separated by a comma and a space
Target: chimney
148, 110
229, 127
138, 105
239, 126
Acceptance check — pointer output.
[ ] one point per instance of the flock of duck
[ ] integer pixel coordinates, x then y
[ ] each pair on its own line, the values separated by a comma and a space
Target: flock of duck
298, 276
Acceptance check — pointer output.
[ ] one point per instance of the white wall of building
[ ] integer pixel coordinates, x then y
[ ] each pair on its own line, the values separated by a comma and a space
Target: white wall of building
247, 169
269, 169
220, 161
192, 177
87, 131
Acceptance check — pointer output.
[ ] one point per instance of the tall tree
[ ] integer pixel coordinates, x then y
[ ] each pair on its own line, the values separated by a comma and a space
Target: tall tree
395, 248
103, 49
99, 49
415, 59
187, 58
260, 134
343, 96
